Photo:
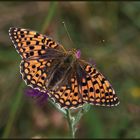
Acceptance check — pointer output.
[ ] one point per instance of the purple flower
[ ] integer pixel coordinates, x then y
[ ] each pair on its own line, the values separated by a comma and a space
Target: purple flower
41, 97
78, 54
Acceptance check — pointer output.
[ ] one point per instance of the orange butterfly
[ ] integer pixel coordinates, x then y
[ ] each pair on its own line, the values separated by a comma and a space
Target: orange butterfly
69, 80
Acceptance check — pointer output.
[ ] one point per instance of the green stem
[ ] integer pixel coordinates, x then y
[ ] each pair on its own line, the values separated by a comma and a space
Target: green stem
71, 123
73, 120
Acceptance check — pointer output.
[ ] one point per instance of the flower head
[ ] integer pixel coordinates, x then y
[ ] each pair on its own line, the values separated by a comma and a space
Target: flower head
36, 94
78, 54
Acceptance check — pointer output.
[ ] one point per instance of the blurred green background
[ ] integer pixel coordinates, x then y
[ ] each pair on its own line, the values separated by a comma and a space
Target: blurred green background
107, 33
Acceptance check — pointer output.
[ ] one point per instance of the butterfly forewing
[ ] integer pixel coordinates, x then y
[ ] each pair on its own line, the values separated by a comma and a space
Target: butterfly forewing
70, 82
99, 90
31, 44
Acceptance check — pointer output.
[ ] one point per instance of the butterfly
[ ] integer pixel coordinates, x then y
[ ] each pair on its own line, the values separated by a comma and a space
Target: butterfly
69, 81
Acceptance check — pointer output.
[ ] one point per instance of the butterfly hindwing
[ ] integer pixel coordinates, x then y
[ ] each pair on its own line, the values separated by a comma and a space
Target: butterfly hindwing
68, 95
35, 72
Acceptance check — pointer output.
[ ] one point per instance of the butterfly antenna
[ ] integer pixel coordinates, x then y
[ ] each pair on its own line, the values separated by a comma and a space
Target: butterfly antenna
67, 32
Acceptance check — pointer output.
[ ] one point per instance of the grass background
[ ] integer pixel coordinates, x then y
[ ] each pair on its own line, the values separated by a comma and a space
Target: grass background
107, 33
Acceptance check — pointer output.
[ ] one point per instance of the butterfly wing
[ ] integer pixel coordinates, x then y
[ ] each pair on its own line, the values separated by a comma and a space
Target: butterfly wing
39, 53
84, 84
97, 88
31, 44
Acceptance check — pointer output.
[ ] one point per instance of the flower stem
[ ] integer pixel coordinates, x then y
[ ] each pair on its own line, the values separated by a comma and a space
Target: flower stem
71, 123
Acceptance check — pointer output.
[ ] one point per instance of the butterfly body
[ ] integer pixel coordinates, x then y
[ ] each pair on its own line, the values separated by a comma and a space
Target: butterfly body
61, 71
69, 80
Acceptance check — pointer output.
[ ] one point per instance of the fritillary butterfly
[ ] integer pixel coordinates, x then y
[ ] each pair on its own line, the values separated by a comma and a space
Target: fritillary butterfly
69, 80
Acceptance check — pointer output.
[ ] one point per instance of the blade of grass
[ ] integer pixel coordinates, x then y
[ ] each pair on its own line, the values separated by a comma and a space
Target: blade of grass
14, 108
